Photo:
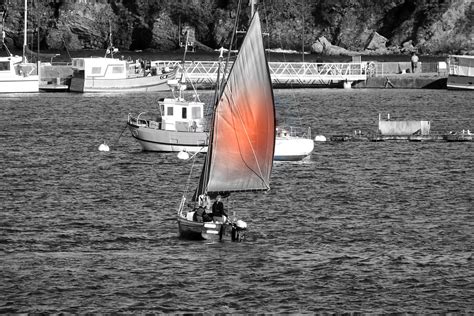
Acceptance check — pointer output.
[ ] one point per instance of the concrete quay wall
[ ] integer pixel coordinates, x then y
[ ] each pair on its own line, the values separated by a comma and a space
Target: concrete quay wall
403, 81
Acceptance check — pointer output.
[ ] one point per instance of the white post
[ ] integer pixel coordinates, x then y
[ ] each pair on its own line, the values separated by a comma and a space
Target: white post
25, 32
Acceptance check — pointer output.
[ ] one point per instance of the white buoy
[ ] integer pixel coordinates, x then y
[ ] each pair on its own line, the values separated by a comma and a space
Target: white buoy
320, 138
104, 147
241, 224
183, 155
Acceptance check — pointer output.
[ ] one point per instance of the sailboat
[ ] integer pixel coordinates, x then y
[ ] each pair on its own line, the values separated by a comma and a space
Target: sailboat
241, 146
16, 73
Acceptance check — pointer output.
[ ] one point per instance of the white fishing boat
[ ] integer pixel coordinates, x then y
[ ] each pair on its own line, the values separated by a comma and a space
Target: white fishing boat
292, 144
110, 74
106, 74
461, 72
17, 75
242, 141
178, 125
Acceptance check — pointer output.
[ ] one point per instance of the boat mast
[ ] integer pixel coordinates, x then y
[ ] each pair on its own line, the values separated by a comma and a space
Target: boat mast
25, 32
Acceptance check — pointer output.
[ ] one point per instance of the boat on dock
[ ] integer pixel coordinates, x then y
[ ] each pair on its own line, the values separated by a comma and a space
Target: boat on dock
110, 74
105, 74
17, 75
461, 72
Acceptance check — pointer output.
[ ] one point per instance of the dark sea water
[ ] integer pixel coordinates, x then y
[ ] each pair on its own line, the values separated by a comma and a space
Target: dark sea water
369, 227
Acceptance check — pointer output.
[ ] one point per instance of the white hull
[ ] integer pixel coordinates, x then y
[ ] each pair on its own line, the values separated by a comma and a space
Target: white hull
18, 77
138, 84
19, 84
291, 148
151, 139
460, 83
288, 148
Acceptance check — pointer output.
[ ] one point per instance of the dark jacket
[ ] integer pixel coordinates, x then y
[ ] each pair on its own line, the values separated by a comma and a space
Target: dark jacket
218, 209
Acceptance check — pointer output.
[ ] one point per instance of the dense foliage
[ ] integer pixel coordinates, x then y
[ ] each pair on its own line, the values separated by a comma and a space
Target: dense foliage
433, 26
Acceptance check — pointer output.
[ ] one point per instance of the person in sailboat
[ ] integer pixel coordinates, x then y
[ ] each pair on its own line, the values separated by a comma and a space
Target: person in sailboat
201, 216
204, 208
218, 212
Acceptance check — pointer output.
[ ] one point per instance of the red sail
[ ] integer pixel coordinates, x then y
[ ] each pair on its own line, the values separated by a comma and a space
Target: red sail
243, 137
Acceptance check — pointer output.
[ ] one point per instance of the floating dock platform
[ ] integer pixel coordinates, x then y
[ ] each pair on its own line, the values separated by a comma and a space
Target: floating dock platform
447, 137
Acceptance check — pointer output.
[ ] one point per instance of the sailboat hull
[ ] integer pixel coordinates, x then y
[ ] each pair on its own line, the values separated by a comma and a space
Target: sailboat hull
207, 231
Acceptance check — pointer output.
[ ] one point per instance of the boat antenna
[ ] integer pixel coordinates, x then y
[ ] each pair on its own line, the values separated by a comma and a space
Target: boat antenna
184, 56
25, 32
110, 49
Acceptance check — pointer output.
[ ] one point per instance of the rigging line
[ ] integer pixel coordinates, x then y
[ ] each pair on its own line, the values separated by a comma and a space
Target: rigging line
189, 177
116, 142
4, 15
234, 31
218, 92
291, 85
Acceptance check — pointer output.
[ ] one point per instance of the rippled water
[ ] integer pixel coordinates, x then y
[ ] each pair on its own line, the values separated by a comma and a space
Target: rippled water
360, 227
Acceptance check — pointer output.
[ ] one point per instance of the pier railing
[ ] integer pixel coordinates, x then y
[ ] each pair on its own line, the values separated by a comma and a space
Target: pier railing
282, 73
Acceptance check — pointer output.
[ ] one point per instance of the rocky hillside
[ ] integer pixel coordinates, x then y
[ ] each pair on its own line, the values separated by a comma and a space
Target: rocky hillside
324, 26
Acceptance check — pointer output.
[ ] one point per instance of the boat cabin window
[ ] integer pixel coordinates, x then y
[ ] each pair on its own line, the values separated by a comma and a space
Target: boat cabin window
184, 112
4, 65
117, 69
95, 70
169, 111
196, 112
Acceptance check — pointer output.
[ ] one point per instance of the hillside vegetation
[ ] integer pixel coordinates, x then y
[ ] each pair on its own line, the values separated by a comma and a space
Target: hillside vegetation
428, 26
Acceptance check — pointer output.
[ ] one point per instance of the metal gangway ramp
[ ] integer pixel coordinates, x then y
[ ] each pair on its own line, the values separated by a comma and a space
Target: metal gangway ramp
284, 74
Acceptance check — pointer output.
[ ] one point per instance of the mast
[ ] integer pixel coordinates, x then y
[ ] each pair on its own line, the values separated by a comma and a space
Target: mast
25, 32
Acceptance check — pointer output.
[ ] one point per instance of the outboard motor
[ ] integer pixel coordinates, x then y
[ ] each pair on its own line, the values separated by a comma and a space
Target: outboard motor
238, 230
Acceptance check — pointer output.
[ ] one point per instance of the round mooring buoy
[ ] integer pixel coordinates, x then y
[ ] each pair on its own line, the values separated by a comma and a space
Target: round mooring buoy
320, 138
104, 147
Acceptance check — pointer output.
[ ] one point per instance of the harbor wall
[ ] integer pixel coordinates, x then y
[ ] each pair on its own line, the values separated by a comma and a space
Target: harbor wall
403, 81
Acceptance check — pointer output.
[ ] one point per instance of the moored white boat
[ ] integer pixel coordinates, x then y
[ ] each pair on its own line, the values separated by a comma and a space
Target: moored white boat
178, 126
461, 72
105, 74
291, 145
16, 74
